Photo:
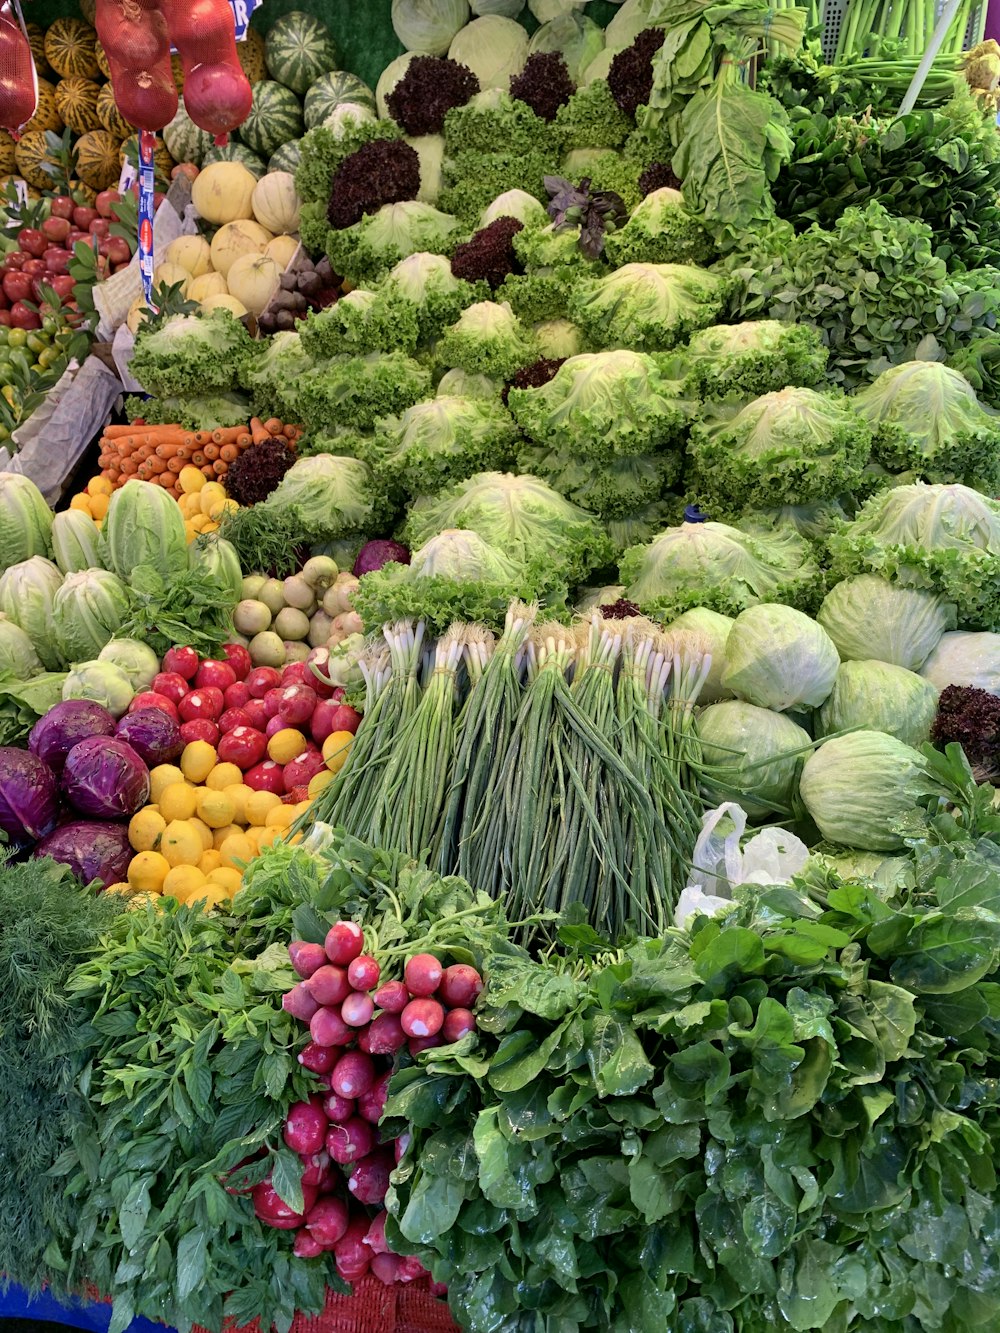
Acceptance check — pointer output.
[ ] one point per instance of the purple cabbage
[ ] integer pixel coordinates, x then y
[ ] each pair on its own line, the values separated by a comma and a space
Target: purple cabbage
105, 779
28, 796
54, 735
153, 734
92, 851
373, 555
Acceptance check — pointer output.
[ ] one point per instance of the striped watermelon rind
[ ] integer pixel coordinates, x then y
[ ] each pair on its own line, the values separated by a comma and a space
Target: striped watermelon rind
299, 50
275, 118
185, 141
287, 158
330, 91
236, 152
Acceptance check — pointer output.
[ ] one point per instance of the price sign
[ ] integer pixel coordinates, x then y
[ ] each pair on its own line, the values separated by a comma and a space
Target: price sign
147, 186
243, 11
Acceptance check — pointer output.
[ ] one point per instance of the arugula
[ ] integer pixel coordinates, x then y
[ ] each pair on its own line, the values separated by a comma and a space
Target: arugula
191, 610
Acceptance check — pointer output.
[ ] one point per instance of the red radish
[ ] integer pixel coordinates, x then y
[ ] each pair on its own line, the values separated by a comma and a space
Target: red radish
385, 1034
357, 1010
457, 1024
306, 958
344, 942
297, 704
255, 709
392, 996
375, 1239
363, 972
274, 725
233, 718
461, 986
272, 1209
317, 1059
422, 1018
327, 1028
150, 699
245, 747
305, 1247
350, 1141
238, 658
400, 1146
410, 1268
386, 1267
336, 1108
237, 696
317, 1166
261, 679
182, 660
199, 729
299, 1003
212, 672
327, 1220
265, 776
297, 673
370, 1178
299, 772
371, 1105
305, 1126
422, 975
351, 1253
206, 703
272, 702
172, 684
321, 722
417, 1045
329, 984
346, 718
354, 1074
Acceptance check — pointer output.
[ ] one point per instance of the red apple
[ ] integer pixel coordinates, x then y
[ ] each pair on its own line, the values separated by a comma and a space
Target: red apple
105, 202
55, 229
34, 266
23, 318
5, 318
13, 261
62, 206
117, 250
16, 285
62, 284
83, 216
31, 240
57, 259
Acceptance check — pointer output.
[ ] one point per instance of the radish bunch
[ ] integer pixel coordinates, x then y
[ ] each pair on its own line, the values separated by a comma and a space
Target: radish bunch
358, 1024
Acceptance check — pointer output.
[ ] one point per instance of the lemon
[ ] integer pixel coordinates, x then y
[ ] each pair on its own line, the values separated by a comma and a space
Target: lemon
190, 479
209, 861
140, 900
81, 502
215, 808
178, 801
223, 776
99, 486
286, 745
204, 832
198, 522
144, 829
124, 888
318, 781
237, 848
147, 871
221, 508
211, 495
280, 816
182, 882
238, 794
336, 748
181, 843
198, 758
161, 777
99, 505
258, 804
228, 879
267, 836
220, 835
212, 899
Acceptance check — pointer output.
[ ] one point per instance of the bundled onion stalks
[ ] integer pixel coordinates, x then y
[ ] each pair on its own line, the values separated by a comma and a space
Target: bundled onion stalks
555, 767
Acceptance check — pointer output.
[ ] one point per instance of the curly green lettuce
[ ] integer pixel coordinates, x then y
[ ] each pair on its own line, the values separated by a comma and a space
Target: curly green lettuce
271, 373
553, 263
660, 230
471, 181
441, 441
518, 514
365, 252
325, 147
495, 122
791, 447
422, 288
203, 411
355, 326
943, 538
929, 422
648, 307
721, 568
191, 354
330, 497
760, 356
487, 339
356, 391
614, 488
592, 119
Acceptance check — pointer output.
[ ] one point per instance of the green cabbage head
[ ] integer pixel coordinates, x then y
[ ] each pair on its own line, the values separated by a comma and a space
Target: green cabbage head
856, 786
17, 656
27, 595
869, 617
880, 697
778, 658
144, 526
25, 520
750, 755
88, 610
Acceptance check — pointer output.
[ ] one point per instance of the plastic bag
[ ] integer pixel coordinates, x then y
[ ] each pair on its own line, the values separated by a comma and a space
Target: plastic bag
720, 864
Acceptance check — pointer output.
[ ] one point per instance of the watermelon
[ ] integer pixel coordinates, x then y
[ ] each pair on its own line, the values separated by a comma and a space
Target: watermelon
327, 93
298, 49
287, 158
184, 140
236, 152
275, 118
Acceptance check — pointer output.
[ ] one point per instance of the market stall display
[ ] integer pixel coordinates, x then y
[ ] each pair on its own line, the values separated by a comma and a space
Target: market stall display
498, 755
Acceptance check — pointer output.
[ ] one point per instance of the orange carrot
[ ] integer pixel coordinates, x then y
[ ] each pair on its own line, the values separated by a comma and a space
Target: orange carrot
208, 470
228, 435
220, 469
211, 452
167, 450
176, 464
244, 441
198, 458
229, 453
273, 426
258, 432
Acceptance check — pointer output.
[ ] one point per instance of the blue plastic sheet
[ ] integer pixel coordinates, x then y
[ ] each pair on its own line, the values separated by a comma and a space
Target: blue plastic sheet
15, 1303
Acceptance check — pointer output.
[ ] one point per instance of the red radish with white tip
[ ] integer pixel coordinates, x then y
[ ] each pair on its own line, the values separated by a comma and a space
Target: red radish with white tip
385, 1034
237, 696
306, 958
329, 984
299, 1003
410, 1269
353, 1075
375, 1239
351, 1141
422, 975
260, 680
199, 729
357, 1010
386, 1267
300, 772
392, 996
246, 747
344, 942
305, 1126
327, 1220
182, 660
371, 1105
265, 776
317, 1059
206, 704
171, 684
369, 1180
316, 1167
461, 986
233, 718
417, 1045
272, 1209
422, 1018
327, 1028
351, 1254
305, 1246
457, 1024
297, 704
337, 1109
364, 972
213, 672
239, 659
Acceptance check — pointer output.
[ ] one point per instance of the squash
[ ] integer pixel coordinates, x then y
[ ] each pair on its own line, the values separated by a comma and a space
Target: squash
31, 153
236, 239
225, 302
100, 55
254, 279
36, 40
6, 153
46, 115
222, 192
206, 285
97, 160
76, 101
69, 48
275, 202
108, 114
192, 253
282, 250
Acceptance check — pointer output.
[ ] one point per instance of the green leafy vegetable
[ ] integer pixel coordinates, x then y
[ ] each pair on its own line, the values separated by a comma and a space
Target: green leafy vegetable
191, 354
